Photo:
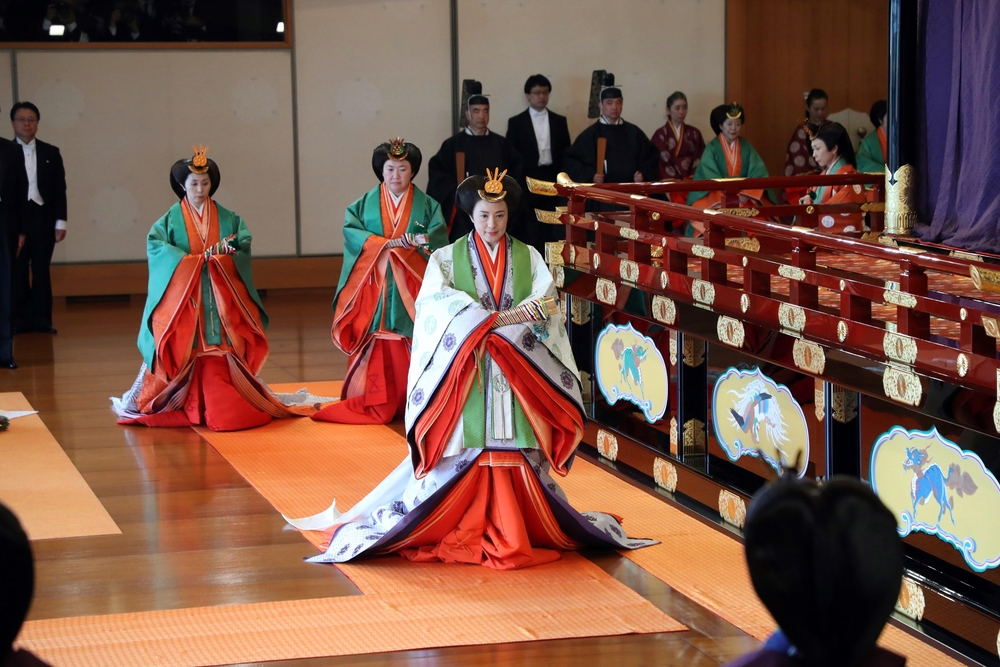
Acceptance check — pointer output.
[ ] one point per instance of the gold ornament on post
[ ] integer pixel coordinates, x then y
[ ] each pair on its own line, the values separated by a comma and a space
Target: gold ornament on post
899, 213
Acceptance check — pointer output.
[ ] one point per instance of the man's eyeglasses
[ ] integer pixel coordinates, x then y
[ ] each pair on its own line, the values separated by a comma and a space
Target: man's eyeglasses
29, 121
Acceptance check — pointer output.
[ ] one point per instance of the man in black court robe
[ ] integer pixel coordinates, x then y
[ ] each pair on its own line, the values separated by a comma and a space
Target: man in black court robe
541, 137
483, 150
630, 156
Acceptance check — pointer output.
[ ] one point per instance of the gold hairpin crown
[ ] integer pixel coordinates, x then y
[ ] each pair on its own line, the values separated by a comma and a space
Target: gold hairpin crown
734, 111
495, 183
493, 190
397, 149
199, 163
199, 156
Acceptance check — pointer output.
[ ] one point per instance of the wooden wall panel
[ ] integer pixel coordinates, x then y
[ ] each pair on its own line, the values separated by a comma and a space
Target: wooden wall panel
365, 72
6, 93
869, 53
121, 119
653, 48
777, 50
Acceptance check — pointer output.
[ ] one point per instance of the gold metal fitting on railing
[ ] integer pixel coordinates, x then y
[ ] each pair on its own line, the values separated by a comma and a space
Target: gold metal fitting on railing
741, 212
548, 217
744, 243
548, 188
538, 187
986, 280
962, 254
562, 178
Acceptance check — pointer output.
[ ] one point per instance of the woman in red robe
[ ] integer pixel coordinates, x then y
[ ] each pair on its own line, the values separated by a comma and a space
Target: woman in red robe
798, 159
680, 146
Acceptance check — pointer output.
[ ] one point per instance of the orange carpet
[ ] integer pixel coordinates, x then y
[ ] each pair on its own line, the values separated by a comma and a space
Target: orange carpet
41, 485
297, 464
420, 606
699, 562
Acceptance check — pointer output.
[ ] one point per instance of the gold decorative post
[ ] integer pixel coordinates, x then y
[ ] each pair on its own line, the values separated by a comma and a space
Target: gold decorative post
900, 214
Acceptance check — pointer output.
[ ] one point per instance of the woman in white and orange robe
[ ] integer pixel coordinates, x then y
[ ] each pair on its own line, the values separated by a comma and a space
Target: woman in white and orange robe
494, 409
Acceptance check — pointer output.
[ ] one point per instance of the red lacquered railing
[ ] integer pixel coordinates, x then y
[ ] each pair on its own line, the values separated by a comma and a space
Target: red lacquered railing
727, 272
806, 215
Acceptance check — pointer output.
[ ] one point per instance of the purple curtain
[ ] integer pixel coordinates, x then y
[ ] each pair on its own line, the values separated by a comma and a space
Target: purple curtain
958, 157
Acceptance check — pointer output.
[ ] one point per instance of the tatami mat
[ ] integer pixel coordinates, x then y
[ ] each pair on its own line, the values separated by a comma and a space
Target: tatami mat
41, 485
426, 606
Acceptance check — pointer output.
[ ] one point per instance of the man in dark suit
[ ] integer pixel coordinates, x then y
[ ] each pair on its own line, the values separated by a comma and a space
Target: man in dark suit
13, 202
541, 137
44, 225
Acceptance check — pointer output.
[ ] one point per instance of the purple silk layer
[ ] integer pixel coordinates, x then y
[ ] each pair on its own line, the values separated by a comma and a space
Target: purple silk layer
958, 152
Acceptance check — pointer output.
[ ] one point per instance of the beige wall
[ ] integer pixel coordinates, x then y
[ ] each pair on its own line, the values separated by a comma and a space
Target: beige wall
653, 48
6, 95
366, 72
121, 118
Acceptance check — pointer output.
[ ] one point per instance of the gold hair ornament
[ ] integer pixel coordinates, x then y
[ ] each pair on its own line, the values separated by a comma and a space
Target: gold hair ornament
734, 111
493, 190
199, 163
397, 149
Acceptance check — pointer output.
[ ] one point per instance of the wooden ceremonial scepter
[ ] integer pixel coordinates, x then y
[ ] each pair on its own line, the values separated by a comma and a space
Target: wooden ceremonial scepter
602, 150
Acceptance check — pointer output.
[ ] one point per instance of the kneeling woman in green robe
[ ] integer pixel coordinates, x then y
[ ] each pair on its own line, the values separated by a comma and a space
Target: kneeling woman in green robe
728, 155
388, 236
872, 153
202, 334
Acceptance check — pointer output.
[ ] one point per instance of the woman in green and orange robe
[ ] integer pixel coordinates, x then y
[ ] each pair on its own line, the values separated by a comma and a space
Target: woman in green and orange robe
728, 155
872, 152
388, 235
202, 336
834, 153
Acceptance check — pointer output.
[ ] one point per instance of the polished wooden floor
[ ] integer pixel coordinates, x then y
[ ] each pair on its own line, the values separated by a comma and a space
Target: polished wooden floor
194, 533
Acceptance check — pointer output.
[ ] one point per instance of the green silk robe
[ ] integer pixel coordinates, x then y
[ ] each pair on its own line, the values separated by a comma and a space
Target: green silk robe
363, 219
713, 165
869, 157
166, 245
